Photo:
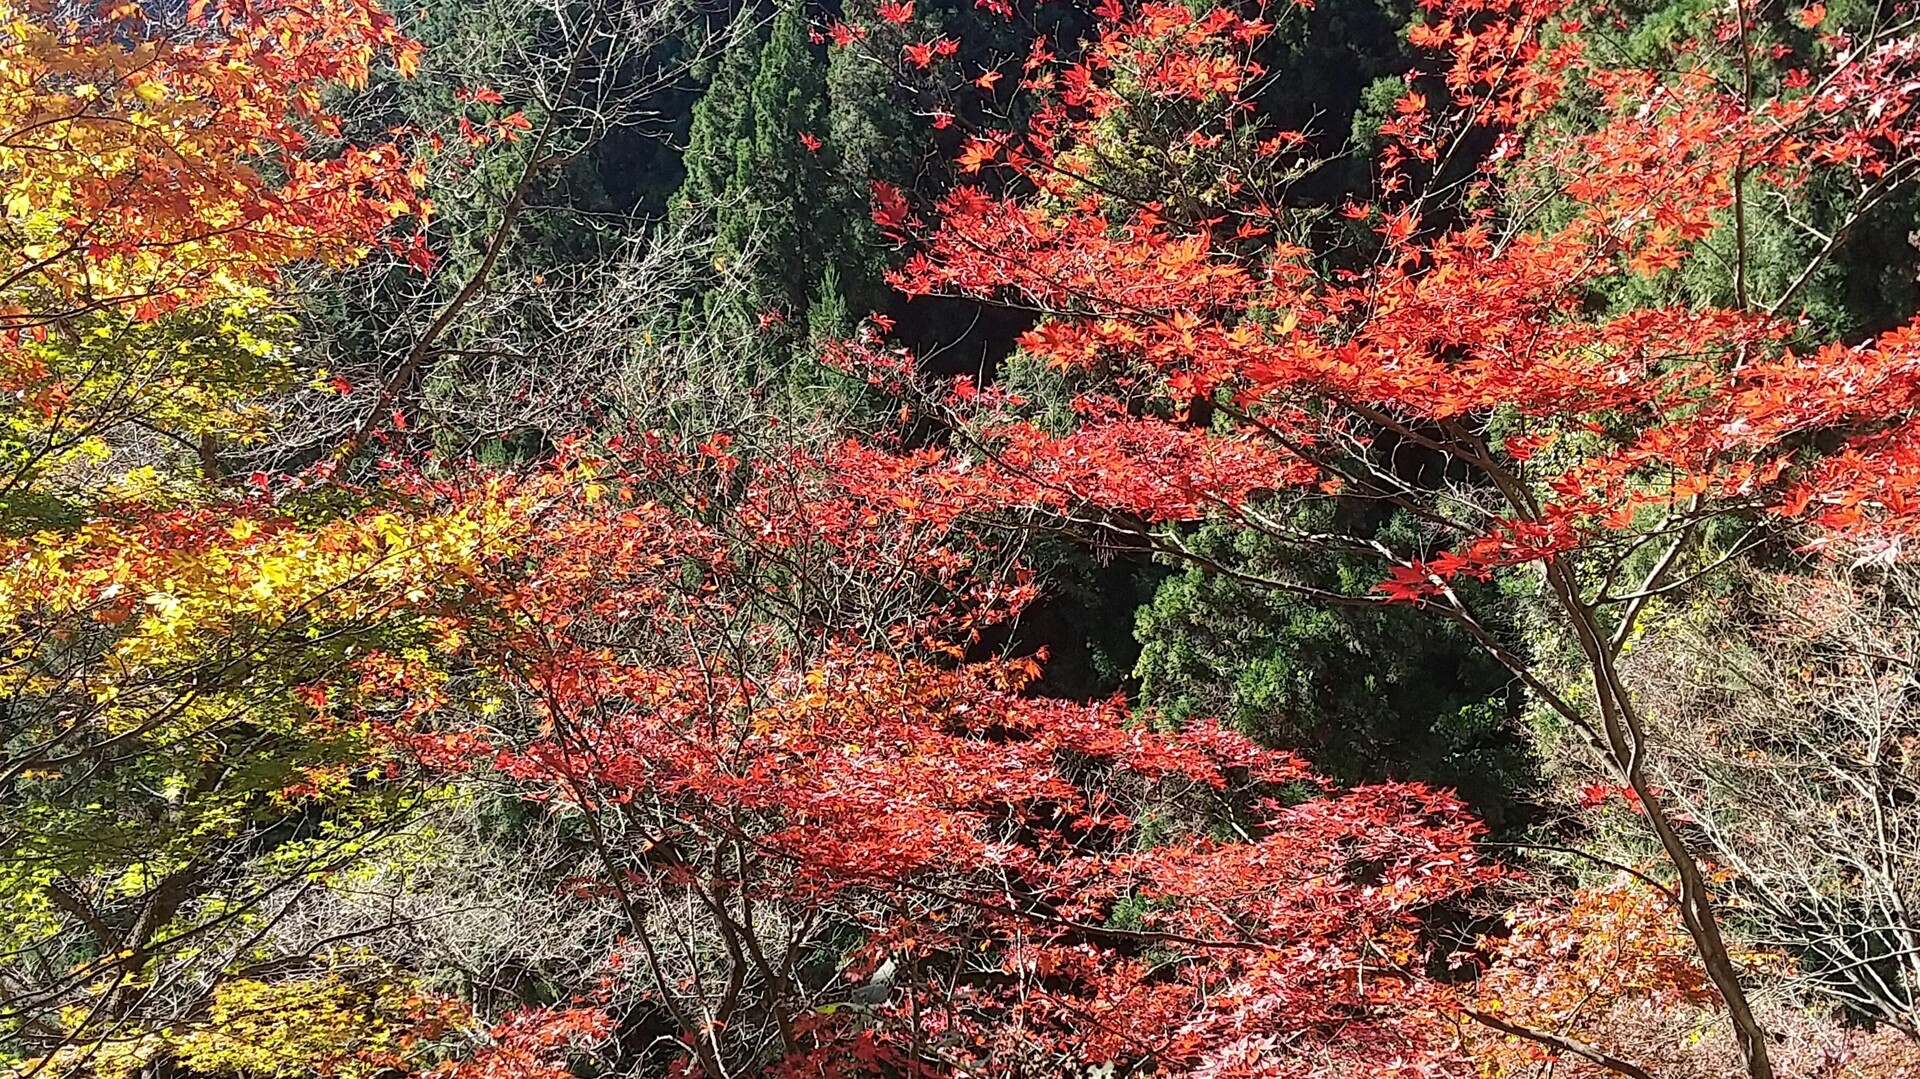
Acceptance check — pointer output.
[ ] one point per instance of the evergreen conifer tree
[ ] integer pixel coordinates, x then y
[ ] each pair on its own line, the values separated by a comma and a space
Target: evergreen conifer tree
873, 135
721, 119
777, 180
784, 147
756, 180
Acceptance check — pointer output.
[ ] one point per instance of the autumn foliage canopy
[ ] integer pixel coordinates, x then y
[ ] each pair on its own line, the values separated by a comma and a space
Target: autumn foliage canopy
761, 684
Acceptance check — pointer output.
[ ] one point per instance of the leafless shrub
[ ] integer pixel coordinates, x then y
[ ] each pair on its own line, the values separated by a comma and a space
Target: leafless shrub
1787, 727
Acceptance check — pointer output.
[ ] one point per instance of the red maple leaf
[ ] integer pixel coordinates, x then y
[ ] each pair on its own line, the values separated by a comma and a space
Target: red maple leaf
890, 210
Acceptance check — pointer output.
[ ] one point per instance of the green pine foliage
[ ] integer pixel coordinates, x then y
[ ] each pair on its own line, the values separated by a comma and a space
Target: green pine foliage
1366, 690
752, 179
784, 146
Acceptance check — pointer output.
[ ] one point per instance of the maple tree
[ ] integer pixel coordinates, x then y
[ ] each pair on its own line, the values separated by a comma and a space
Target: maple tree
168, 678
152, 164
148, 165
356, 1017
669, 677
1468, 368
1604, 980
164, 640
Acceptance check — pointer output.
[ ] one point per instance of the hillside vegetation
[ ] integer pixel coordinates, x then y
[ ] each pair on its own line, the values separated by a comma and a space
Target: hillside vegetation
702, 539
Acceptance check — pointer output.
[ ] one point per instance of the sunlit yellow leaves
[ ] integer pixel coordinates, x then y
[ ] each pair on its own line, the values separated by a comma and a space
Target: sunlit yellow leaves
144, 152
179, 587
356, 1020
157, 178
1605, 968
325, 1025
